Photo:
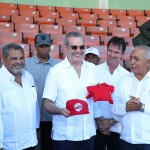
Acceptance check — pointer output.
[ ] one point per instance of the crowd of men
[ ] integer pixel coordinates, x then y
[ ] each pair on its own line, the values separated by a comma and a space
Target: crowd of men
67, 104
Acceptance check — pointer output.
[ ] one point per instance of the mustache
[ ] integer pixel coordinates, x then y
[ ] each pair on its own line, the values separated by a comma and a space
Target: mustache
18, 65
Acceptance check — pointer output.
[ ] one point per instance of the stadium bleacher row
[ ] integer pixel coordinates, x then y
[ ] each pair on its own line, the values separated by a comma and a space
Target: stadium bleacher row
20, 23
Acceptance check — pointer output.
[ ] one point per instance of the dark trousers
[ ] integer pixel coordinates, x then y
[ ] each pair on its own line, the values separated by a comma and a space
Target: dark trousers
101, 141
74, 145
29, 148
128, 146
46, 140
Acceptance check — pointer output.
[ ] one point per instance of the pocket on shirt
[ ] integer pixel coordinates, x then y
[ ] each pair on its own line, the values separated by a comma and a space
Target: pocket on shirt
67, 91
33, 93
36, 78
11, 99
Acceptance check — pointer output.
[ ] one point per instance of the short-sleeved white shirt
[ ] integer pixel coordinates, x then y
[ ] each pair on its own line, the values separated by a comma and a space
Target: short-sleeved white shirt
103, 108
20, 116
135, 124
63, 84
1, 128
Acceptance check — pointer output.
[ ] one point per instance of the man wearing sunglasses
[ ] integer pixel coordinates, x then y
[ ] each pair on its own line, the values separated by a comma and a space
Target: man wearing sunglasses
109, 72
68, 81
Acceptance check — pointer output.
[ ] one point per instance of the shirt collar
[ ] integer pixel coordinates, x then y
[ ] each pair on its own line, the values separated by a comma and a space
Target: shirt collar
67, 63
147, 75
8, 75
118, 68
50, 61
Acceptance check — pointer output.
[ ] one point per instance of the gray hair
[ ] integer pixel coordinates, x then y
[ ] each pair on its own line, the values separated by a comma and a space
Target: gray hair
72, 34
13, 46
146, 48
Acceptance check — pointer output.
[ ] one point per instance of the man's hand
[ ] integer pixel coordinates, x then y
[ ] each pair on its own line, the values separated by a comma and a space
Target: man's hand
65, 112
38, 131
104, 123
133, 104
106, 132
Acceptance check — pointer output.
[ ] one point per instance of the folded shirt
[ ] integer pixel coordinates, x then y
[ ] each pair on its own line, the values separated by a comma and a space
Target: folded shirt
101, 92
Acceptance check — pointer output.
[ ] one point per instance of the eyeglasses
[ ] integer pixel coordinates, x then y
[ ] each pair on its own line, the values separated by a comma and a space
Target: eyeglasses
74, 47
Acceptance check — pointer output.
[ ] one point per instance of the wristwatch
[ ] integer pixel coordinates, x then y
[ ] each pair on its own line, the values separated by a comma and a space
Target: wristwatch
142, 108
113, 121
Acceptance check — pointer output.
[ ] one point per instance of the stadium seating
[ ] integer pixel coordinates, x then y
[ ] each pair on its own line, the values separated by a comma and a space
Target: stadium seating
51, 29
29, 13
100, 11
46, 14
96, 30
92, 40
21, 19
118, 12
66, 15
46, 8
86, 22
64, 9
11, 37
68, 28
25, 27
107, 17
119, 31
42, 20
83, 10
7, 12
58, 39
27, 7
21, 22
10, 6
88, 16
9, 27
4, 18
62, 21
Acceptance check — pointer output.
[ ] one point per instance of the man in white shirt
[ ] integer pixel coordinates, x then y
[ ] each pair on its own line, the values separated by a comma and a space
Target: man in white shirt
68, 81
109, 72
18, 99
132, 102
1, 128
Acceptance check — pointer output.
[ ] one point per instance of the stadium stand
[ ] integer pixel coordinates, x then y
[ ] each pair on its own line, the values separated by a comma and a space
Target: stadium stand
21, 22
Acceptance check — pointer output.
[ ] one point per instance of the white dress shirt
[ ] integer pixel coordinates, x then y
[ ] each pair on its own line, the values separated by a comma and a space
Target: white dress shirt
103, 108
20, 117
1, 128
135, 124
63, 84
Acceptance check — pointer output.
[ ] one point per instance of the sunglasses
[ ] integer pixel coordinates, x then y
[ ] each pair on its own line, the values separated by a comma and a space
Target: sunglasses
74, 47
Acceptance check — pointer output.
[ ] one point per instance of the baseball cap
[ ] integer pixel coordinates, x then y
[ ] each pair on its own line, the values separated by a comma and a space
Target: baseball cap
92, 50
77, 107
42, 39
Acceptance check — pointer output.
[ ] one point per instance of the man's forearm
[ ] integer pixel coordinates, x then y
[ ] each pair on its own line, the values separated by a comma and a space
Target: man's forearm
51, 107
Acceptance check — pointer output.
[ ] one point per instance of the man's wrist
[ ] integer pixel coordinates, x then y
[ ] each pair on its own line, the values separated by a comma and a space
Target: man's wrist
113, 121
142, 109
